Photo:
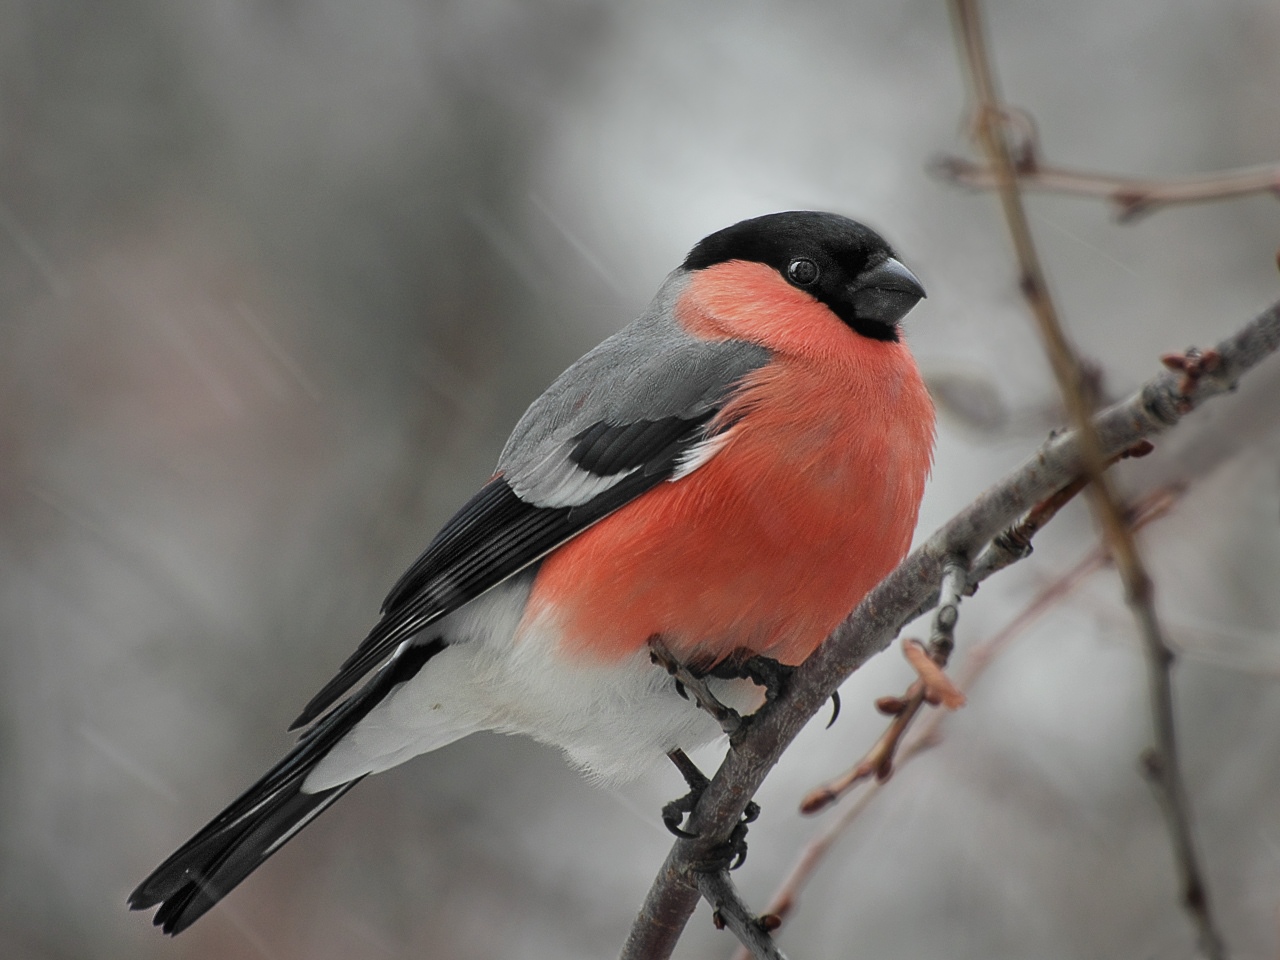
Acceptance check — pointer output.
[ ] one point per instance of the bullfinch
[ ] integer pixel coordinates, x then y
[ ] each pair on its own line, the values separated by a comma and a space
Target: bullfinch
729, 474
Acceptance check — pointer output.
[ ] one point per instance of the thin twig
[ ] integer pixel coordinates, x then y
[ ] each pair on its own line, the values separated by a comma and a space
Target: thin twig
878, 762
730, 911
955, 578
1158, 406
931, 686
1139, 590
1014, 544
1130, 197
782, 904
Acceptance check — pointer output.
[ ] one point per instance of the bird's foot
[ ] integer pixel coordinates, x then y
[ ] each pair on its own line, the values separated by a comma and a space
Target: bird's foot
760, 670
765, 672
729, 854
768, 673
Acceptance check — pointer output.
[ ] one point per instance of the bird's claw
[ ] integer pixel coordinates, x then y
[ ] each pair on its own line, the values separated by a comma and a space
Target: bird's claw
673, 813
730, 854
732, 851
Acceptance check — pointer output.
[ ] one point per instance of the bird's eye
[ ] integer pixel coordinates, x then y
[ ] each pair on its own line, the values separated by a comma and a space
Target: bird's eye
802, 271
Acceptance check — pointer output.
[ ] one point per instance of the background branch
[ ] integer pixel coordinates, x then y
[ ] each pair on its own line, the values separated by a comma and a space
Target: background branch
1162, 760
1158, 406
1130, 197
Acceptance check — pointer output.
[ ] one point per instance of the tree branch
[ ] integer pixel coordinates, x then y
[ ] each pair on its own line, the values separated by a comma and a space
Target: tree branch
1152, 507
1163, 758
1158, 406
730, 911
1006, 548
1130, 197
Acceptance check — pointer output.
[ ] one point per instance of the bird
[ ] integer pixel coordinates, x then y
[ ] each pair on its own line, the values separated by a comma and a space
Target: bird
727, 477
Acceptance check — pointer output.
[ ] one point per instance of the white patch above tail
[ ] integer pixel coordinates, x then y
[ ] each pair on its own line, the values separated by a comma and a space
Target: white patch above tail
422, 714
436, 706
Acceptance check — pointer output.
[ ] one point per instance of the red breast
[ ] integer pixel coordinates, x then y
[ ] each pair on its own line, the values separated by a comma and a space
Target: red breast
810, 502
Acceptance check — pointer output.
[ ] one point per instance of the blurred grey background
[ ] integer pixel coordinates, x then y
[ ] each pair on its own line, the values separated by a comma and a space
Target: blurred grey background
277, 277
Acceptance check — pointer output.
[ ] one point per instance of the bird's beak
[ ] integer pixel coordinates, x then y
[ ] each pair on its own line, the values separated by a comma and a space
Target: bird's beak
886, 292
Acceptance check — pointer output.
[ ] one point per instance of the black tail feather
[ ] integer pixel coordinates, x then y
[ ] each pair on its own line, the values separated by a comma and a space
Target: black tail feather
212, 871
263, 818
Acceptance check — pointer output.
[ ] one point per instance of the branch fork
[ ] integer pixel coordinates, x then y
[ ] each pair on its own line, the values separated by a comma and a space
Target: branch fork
1129, 197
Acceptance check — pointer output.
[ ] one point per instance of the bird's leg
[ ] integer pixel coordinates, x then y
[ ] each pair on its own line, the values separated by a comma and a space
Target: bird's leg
673, 813
686, 680
733, 851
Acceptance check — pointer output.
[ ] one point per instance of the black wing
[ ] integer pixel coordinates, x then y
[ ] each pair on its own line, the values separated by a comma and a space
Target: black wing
497, 533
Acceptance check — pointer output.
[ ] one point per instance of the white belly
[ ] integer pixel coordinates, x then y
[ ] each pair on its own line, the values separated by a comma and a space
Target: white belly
613, 720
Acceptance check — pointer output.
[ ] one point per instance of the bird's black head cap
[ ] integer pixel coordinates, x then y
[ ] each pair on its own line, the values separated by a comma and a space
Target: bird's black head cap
845, 265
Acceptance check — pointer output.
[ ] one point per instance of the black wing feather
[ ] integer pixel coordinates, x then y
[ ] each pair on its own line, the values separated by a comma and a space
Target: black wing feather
496, 534
606, 449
